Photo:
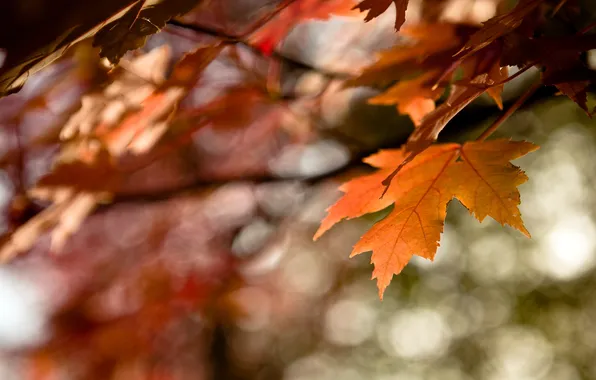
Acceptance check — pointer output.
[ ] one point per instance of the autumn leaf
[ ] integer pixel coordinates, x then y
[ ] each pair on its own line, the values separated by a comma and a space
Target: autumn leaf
47, 36
190, 67
497, 74
574, 86
429, 47
96, 174
267, 37
499, 26
415, 97
151, 101
130, 32
376, 7
415, 93
482, 73
86, 170
488, 61
461, 95
479, 174
576, 91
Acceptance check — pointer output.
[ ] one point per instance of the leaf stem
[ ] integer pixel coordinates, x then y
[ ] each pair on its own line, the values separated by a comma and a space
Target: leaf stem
264, 20
500, 83
504, 116
587, 28
558, 8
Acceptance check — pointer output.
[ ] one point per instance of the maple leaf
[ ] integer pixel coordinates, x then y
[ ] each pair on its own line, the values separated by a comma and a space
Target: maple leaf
497, 74
499, 26
432, 52
560, 65
130, 32
376, 7
80, 168
47, 36
432, 47
130, 115
479, 174
267, 37
488, 61
576, 91
415, 97
574, 88
150, 100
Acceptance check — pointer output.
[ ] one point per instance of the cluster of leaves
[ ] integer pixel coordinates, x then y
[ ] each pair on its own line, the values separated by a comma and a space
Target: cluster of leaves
137, 118
419, 180
141, 111
51, 28
134, 134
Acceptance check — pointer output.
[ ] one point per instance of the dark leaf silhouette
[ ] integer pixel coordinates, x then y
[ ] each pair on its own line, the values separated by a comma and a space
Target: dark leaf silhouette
130, 31
376, 7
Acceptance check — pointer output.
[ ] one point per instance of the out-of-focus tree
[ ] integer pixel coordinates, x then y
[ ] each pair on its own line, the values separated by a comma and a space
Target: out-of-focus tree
170, 150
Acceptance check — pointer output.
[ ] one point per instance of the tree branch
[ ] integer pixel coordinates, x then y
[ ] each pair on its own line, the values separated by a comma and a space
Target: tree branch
226, 38
504, 116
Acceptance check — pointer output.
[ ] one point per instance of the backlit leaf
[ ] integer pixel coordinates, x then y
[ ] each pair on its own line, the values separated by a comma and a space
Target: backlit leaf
267, 37
479, 174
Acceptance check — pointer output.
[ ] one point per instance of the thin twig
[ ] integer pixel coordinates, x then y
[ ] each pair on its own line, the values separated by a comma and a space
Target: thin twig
587, 28
500, 83
558, 8
237, 40
20, 164
504, 116
263, 21
274, 78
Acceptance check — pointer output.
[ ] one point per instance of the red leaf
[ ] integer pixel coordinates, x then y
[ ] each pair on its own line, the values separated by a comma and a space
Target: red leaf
268, 36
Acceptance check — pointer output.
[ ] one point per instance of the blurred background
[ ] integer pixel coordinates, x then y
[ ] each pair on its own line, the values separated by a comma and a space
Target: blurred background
203, 266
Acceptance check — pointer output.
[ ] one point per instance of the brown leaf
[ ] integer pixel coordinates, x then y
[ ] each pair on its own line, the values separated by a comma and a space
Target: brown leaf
576, 91
130, 32
376, 7
461, 95
500, 25
89, 169
46, 32
432, 47
130, 115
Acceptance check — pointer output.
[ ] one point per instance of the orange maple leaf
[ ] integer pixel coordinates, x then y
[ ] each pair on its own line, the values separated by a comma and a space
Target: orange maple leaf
430, 47
479, 174
415, 97
415, 94
498, 74
488, 62
376, 7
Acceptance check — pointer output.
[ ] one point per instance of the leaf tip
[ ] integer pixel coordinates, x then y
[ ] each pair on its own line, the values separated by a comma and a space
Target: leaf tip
326, 224
319, 233
524, 231
381, 287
